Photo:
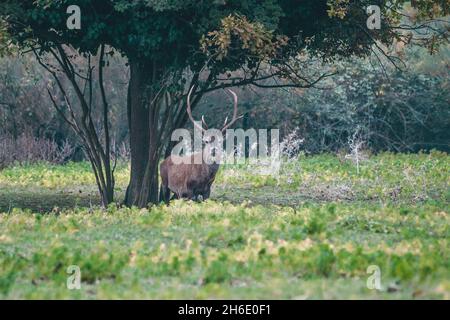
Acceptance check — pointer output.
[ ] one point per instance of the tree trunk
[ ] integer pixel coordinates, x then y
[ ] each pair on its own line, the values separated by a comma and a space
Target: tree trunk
145, 124
138, 120
149, 187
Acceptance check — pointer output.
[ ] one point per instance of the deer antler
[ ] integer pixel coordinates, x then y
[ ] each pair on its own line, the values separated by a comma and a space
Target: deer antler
235, 111
226, 124
189, 112
204, 122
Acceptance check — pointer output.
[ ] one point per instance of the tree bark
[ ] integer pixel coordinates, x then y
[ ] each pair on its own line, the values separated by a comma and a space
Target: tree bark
138, 120
148, 126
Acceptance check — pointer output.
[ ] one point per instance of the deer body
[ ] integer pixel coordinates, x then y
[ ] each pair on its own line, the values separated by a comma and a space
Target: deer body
187, 180
191, 176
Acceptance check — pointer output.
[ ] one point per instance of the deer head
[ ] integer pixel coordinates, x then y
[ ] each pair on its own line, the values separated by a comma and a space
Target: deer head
203, 127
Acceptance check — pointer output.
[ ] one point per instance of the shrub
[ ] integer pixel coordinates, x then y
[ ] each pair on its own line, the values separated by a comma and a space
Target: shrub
28, 149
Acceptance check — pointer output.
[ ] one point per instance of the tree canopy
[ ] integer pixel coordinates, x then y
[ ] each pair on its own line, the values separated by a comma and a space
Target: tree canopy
169, 31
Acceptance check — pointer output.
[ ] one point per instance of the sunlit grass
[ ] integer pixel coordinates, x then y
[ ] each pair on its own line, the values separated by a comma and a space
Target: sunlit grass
258, 237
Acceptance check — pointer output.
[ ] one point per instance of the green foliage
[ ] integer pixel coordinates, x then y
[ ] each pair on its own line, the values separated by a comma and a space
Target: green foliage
401, 111
384, 177
120, 257
55, 177
277, 241
252, 38
169, 32
5, 44
404, 111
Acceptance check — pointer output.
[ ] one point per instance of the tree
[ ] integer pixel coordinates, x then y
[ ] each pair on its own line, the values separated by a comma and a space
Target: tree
98, 150
173, 45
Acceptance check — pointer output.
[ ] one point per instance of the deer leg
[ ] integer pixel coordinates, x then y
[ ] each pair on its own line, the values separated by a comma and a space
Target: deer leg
165, 193
188, 195
207, 193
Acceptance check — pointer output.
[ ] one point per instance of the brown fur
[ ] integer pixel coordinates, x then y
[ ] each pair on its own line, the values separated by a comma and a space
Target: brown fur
187, 180
193, 177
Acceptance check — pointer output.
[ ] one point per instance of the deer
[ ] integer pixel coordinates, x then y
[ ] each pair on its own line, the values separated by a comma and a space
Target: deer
190, 176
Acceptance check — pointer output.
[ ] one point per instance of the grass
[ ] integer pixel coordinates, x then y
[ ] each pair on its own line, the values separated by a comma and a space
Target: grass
309, 233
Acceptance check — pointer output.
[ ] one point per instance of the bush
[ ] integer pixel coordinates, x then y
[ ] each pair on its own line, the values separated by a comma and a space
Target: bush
388, 110
29, 149
406, 112
25, 106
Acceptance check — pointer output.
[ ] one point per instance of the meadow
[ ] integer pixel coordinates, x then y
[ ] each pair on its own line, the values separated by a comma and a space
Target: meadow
309, 233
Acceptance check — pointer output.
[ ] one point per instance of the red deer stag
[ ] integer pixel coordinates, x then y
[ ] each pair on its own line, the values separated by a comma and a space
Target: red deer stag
189, 176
